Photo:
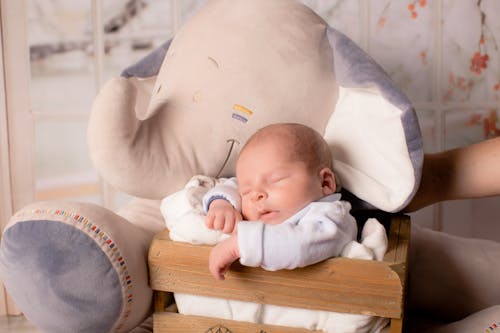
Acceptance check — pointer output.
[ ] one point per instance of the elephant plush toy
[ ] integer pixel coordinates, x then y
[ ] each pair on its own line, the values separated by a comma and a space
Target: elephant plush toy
187, 109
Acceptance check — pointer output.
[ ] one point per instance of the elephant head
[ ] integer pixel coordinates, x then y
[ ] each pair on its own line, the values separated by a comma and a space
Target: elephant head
237, 66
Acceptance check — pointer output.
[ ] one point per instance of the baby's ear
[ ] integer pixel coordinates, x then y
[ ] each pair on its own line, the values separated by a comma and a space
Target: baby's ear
328, 184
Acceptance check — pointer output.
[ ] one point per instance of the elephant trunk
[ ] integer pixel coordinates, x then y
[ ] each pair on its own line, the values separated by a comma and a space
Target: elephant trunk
112, 135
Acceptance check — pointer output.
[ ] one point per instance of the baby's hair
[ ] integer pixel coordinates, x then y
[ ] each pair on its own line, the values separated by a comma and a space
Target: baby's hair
303, 143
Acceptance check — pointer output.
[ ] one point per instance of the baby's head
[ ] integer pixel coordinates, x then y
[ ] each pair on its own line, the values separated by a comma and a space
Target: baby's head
281, 169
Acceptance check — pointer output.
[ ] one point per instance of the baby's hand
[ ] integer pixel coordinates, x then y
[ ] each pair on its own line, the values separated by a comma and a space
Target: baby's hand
222, 256
222, 216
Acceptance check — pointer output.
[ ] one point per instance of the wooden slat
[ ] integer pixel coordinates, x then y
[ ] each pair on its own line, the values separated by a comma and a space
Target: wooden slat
396, 326
400, 266
404, 239
338, 284
177, 323
161, 300
390, 255
398, 256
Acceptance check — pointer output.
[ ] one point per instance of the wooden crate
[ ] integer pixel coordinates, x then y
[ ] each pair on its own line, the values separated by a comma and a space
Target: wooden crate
338, 284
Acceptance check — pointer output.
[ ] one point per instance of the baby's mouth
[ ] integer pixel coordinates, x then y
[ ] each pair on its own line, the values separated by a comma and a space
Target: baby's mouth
266, 215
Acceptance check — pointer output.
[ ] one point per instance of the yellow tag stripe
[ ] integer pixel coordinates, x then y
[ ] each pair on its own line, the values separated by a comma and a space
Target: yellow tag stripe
243, 109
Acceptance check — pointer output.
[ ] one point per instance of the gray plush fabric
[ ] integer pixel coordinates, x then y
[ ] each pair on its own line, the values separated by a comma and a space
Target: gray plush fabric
149, 65
60, 277
354, 68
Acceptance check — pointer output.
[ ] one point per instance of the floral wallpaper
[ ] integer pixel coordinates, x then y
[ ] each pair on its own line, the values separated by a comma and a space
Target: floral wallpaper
442, 53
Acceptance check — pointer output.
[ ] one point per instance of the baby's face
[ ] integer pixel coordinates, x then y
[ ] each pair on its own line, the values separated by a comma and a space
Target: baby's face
272, 186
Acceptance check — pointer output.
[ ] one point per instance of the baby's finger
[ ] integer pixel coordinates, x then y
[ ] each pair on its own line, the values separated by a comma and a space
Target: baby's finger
220, 275
209, 221
216, 273
229, 225
219, 222
215, 269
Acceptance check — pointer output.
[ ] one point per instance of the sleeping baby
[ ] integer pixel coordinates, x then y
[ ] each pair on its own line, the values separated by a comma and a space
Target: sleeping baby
291, 215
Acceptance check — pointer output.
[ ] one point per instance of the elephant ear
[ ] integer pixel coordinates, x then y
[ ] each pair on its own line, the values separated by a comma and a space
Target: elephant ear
150, 65
374, 132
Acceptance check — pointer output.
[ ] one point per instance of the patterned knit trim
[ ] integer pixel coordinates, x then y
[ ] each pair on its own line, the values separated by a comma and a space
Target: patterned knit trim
106, 243
493, 327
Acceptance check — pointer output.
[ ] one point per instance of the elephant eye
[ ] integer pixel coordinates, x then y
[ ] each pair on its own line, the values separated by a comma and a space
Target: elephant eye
213, 61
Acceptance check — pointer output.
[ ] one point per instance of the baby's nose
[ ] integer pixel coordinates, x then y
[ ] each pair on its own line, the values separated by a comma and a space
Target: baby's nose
258, 195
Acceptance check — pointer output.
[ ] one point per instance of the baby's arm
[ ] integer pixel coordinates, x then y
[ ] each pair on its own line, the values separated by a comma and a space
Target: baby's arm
222, 205
222, 256
320, 233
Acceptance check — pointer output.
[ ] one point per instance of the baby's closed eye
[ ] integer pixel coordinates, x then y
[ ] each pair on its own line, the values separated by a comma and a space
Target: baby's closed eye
277, 178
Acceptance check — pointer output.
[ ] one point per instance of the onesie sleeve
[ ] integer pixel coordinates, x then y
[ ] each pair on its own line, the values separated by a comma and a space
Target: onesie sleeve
321, 232
228, 191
